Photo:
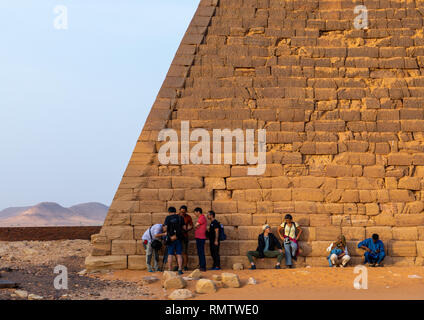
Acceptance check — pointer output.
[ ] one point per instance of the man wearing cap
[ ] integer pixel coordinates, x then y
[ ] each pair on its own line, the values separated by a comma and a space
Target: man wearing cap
267, 244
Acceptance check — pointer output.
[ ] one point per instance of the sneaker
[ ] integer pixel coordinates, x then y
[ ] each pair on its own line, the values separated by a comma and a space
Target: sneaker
215, 269
185, 269
377, 265
150, 270
277, 266
253, 267
289, 267
180, 272
175, 269
372, 265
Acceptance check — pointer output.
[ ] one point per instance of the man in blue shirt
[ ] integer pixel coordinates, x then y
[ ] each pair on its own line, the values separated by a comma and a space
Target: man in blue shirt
374, 250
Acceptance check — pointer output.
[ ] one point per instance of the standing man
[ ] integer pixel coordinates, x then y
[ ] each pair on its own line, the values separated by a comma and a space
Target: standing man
200, 236
214, 241
374, 250
153, 233
174, 227
188, 227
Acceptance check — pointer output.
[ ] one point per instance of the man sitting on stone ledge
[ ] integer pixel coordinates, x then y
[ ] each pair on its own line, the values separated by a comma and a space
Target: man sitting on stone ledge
267, 243
374, 250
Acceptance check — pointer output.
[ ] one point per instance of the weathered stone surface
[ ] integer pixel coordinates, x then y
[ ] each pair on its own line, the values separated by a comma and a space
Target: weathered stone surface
343, 119
205, 286
196, 274
174, 283
21, 294
231, 280
238, 266
106, 263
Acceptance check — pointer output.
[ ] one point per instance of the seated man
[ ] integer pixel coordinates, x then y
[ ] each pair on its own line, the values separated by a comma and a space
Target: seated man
267, 243
339, 255
374, 250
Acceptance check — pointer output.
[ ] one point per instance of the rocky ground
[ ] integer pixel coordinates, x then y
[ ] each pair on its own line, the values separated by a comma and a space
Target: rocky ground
31, 264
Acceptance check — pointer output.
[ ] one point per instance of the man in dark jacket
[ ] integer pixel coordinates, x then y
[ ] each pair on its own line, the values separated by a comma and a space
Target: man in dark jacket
267, 244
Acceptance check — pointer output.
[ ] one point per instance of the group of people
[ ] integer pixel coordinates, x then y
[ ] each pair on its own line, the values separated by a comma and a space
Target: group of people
289, 232
177, 226
175, 233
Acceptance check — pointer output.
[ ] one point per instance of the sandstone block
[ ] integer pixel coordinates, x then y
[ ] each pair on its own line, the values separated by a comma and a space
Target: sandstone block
187, 182
405, 233
354, 233
402, 248
123, 247
231, 280
205, 286
215, 183
181, 294
327, 233
106, 263
137, 262
175, 283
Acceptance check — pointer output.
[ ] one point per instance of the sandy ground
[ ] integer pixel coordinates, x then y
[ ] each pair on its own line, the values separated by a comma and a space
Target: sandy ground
304, 284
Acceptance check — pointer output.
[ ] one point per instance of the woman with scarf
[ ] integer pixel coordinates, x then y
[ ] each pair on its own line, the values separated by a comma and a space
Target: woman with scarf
339, 255
289, 233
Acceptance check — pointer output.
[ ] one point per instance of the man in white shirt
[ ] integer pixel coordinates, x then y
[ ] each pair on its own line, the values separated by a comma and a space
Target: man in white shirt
155, 232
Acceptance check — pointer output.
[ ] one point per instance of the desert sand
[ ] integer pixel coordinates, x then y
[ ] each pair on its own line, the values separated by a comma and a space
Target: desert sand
303, 284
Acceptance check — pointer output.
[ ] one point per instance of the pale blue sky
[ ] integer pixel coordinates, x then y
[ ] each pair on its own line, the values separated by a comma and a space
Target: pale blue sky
73, 102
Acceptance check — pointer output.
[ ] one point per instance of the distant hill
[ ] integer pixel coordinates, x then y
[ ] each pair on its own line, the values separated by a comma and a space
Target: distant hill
53, 214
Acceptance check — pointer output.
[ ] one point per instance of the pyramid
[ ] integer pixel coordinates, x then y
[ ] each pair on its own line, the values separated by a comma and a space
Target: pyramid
337, 86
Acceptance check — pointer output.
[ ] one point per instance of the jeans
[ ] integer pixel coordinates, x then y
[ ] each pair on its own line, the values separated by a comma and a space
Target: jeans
268, 254
374, 257
215, 255
149, 253
290, 250
200, 243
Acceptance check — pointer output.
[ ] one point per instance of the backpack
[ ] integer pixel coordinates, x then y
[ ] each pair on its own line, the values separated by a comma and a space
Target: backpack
222, 235
175, 227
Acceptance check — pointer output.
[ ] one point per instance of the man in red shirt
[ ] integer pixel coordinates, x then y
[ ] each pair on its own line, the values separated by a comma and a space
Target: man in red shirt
189, 225
200, 236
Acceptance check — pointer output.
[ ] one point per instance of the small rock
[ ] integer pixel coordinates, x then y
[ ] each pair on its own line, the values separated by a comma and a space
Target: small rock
231, 280
21, 294
238, 266
168, 275
218, 284
252, 281
196, 274
205, 286
175, 283
82, 272
149, 280
34, 297
181, 294
216, 277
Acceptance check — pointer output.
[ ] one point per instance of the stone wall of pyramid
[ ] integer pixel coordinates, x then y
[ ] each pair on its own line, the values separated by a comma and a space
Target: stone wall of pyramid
344, 113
